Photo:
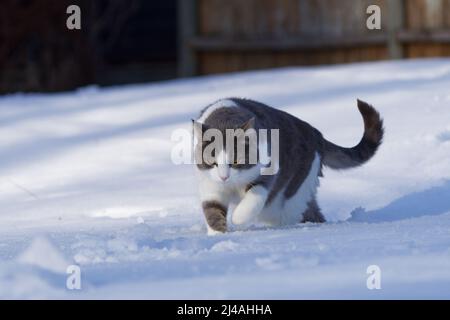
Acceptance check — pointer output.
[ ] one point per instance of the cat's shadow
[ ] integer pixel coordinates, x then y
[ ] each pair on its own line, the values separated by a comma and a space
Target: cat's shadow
430, 202
307, 225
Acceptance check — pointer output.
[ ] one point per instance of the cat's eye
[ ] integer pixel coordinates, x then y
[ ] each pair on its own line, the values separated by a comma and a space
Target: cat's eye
234, 164
212, 164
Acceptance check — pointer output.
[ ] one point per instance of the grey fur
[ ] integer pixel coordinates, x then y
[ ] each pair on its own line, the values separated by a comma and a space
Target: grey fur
216, 215
299, 142
337, 157
312, 213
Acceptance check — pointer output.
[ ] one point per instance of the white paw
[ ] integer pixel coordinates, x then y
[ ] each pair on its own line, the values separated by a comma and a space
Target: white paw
241, 216
250, 207
212, 232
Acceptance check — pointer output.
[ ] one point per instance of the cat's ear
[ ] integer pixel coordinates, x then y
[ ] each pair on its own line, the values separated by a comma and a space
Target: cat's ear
249, 124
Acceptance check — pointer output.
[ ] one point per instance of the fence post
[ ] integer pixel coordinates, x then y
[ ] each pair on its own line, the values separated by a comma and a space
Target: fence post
187, 28
395, 23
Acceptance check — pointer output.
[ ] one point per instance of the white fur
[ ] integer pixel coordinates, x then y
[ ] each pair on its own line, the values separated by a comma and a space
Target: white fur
229, 192
250, 206
212, 232
212, 188
237, 179
286, 212
223, 103
223, 169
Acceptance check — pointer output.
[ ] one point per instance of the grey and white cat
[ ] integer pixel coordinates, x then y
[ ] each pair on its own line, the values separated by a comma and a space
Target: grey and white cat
289, 196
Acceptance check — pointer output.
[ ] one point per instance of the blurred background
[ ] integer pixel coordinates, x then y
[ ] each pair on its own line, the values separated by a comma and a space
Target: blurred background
132, 41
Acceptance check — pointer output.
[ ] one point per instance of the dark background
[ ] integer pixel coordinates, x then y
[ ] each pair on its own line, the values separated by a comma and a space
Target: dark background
119, 42
131, 41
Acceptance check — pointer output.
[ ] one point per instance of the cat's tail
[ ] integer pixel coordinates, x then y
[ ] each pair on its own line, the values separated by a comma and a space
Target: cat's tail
337, 157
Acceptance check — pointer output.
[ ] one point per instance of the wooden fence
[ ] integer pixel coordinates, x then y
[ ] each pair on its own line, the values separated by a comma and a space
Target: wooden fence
230, 35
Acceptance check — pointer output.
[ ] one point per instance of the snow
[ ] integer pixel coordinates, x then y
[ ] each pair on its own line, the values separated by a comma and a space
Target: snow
86, 178
43, 254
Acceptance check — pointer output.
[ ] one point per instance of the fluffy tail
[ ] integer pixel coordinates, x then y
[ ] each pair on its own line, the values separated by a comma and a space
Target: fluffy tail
337, 157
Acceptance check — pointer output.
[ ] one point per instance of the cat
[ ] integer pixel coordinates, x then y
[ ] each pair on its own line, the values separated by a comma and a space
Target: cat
287, 197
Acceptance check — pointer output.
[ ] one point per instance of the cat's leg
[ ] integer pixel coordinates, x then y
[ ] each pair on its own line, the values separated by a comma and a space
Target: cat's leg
215, 199
312, 213
216, 216
251, 205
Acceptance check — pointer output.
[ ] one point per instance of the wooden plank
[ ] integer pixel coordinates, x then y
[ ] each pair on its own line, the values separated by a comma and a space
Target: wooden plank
223, 61
420, 50
187, 29
283, 18
434, 17
438, 36
415, 14
396, 10
216, 44
446, 13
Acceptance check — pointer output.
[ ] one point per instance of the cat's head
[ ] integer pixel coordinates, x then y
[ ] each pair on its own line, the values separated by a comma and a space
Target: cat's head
226, 148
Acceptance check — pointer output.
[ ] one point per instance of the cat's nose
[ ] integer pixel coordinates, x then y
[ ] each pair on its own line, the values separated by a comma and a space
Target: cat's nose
224, 178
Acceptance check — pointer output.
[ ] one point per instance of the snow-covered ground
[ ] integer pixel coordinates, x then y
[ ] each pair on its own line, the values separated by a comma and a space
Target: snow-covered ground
86, 179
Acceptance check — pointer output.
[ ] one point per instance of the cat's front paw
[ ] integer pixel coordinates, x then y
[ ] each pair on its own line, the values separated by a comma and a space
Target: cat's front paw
242, 216
250, 207
212, 232
216, 217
